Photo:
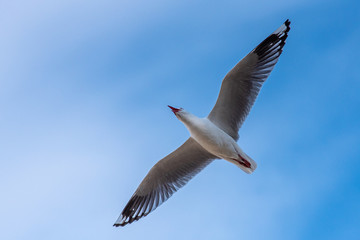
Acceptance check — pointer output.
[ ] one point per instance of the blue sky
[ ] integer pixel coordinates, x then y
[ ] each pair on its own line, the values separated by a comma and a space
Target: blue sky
83, 92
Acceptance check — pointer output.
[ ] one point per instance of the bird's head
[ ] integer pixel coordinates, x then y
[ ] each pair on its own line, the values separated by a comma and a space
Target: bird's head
176, 111
182, 114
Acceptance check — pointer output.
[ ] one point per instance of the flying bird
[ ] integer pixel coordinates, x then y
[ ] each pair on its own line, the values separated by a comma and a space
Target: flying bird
212, 137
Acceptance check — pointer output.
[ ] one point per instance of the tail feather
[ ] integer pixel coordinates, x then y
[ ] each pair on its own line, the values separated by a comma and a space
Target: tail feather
244, 162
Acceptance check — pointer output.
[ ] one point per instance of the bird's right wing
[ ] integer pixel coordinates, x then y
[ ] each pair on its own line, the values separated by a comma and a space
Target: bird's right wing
165, 178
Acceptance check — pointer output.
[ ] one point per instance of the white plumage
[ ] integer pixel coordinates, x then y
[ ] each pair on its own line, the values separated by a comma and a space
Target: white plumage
212, 137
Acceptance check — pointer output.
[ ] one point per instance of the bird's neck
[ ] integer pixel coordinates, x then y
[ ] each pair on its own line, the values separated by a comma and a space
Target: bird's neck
188, 119
191, 121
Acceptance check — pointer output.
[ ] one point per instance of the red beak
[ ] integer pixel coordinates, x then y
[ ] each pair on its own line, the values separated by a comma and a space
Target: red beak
174, 110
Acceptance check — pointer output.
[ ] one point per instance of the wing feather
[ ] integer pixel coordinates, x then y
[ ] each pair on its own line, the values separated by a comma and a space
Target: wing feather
242, 84
164, 179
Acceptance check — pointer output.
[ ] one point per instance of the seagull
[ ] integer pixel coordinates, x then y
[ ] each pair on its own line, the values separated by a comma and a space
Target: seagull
212, 137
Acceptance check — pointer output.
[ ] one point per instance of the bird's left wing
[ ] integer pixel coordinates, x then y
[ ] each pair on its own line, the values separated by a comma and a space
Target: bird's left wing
242, 84
165, 178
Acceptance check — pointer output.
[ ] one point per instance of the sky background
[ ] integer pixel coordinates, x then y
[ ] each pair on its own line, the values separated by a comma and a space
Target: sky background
84, 89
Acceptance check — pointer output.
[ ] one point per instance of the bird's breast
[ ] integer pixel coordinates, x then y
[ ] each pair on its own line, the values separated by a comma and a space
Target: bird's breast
213, 139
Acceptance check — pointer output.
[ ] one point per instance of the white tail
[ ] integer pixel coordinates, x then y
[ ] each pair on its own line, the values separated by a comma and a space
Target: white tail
246, 163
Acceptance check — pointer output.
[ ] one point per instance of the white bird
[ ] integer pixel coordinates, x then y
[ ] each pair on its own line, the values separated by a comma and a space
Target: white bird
212, 137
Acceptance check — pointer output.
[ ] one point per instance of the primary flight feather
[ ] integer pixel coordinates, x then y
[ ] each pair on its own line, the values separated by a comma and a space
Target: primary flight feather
212, 137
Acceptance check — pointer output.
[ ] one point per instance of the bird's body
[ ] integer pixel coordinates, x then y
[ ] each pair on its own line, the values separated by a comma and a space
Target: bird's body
212, 137
215, 140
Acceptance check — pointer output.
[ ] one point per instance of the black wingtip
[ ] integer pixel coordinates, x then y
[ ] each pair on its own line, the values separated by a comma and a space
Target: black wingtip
121, 224
287, 22
277, 38
133, 211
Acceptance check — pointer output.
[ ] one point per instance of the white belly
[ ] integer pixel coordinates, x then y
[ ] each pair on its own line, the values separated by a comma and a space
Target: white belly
217, 142
214, 140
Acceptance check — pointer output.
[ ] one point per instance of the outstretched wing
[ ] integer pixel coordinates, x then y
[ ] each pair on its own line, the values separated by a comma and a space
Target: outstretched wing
165, 178
242, 84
